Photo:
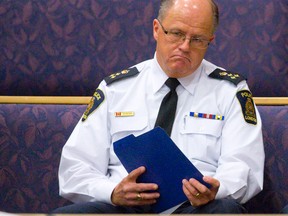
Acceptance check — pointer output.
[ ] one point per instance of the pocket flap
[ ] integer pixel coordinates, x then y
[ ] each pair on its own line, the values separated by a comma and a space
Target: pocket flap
132, 123
202, 126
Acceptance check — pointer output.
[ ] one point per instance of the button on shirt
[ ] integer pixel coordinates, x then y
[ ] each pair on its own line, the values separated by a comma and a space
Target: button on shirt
230, 150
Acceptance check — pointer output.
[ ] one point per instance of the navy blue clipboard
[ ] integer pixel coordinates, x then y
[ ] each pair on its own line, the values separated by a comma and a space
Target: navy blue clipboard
165, 165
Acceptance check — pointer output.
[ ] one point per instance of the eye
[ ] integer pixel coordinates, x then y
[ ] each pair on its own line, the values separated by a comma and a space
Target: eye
177, 34
197, 40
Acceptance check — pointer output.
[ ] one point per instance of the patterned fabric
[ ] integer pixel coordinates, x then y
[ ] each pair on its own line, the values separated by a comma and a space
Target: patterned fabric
31, 140
66, 47
275, 133
32, 136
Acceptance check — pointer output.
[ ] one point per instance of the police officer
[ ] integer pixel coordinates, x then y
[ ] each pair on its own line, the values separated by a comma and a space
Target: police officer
216, 125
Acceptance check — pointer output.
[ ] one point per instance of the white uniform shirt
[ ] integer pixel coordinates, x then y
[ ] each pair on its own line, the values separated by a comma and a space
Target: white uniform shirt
230, 150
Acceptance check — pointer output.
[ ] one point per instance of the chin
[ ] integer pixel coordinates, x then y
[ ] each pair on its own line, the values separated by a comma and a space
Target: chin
179, 69
177, 73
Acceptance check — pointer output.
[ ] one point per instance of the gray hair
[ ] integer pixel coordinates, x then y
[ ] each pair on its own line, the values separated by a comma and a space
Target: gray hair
165, 5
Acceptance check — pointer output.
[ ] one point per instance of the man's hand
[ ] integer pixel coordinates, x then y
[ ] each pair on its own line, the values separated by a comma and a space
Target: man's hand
197, 193
130, 193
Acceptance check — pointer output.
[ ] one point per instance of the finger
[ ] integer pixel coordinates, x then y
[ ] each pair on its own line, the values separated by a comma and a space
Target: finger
193, 200
199, 187
141, 202
148, 196
142, 187
134, 174
142, 196
192, 190
139, 197
212, 181
139, 187
193, 193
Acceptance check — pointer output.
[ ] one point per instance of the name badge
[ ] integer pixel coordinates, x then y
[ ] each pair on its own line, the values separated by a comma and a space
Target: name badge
124, 114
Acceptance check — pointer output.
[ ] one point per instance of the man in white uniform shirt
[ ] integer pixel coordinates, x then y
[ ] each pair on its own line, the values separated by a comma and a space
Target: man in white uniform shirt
217, 125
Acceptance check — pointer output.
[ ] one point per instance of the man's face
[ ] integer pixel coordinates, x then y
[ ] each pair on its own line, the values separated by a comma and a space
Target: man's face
192, 18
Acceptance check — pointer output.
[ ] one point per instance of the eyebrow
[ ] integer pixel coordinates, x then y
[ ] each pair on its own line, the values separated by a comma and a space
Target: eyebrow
185, 33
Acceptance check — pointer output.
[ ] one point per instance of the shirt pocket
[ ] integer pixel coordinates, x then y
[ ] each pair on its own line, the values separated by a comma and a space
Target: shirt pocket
124, 126
208, 127
201, 139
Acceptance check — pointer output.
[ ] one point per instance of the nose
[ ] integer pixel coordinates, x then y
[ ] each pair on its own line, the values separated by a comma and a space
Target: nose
185, 45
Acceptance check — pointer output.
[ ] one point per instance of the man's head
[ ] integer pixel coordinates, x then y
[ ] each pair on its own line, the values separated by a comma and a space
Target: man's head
166, 4
193, 22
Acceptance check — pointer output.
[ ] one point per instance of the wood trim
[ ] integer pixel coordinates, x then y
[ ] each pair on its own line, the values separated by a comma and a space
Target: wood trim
273, 101
44, 100
85, 100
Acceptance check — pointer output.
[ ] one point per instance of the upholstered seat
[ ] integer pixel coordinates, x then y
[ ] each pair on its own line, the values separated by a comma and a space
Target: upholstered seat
32, 137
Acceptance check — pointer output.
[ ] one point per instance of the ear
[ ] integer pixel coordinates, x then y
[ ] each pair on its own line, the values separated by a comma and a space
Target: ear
212, 38
155, 29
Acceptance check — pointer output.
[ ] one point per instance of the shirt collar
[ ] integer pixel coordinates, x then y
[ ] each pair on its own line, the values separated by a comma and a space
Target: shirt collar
190, 82
159, 78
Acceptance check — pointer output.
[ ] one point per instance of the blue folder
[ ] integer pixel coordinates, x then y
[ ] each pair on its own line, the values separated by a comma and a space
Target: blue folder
165, 165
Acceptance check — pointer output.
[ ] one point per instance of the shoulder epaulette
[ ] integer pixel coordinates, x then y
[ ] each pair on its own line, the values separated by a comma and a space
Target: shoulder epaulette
121, 75
227, 75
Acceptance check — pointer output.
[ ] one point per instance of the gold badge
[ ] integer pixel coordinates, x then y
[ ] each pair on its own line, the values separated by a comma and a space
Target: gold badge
246, 101
95, 102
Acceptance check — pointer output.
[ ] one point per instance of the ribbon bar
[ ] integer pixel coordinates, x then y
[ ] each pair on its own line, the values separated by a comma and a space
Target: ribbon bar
207, 116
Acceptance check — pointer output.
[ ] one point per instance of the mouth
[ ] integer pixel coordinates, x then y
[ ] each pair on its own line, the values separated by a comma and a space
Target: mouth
180, 57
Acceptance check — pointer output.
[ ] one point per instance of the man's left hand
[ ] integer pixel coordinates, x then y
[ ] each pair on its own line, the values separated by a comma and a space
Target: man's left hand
197, 193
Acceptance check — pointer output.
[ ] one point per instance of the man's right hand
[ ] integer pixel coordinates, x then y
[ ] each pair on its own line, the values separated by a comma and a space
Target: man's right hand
130, 193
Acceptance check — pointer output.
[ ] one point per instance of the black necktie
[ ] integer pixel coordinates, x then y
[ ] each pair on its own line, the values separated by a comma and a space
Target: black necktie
166, 114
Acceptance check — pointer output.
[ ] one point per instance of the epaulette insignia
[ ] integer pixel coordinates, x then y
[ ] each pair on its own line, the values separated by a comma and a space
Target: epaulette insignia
227, 75
246, 100
96, 100
120, 75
